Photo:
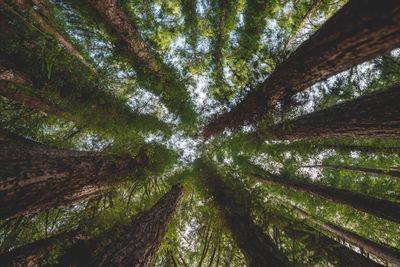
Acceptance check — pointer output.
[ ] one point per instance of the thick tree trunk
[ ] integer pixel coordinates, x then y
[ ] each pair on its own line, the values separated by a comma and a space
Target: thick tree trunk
367, 170
334, 252
257, 247
31, 254
47, 27
36, 178
376, 115
378, 207
360, 31
309, 13
139, 244
388, 254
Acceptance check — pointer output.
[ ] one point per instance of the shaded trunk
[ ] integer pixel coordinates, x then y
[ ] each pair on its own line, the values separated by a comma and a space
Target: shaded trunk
378, 207
36, 178
31, 254
327, 248
257, 247
138, 245
367, 170
112, 13
376, 115
26, 7
388, 254
360, 31
309, 13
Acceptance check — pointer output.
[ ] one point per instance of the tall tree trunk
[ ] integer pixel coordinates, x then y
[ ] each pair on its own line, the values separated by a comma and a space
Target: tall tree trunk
36, 178
49, 28
360, 31
377, 207
31, 254
389, 254
257, 247
139, 244
310, 12
334, 252
367, 170
376, 115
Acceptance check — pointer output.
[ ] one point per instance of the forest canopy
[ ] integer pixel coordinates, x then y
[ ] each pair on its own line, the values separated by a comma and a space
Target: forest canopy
199, 133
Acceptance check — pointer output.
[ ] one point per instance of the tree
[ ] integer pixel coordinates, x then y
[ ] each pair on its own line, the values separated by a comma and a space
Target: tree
321, 56
37, 178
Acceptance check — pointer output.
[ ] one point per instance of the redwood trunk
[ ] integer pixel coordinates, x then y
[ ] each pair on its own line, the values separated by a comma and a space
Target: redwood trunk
31, 254
376, 115
360, 31
35, 178
388, 254
378, 207
257, 247
367, 170
334, 252
139, 244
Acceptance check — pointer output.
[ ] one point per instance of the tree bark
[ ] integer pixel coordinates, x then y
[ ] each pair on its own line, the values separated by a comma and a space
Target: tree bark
334, 252
47, 27
377, 207
139, 244
257, 247
112, 13
31, 254
389, 254
367, 170
360, 31
36, 178
376, 115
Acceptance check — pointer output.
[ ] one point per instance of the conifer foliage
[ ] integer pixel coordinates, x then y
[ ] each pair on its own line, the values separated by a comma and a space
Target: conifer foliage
199, 133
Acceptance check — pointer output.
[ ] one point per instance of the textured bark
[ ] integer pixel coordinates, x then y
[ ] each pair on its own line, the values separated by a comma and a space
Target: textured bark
388, 254
31, 254
49, 28
140, 243
36, 178
309, 13
367, 170
112, 13
328, 248
378, 207
376, 115
257, 247
360, 31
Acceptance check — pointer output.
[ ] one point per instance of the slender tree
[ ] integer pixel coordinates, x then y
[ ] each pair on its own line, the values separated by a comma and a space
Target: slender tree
389, 254
258, 248
138, 245
360, 31
36, 178
367, 170
377, 207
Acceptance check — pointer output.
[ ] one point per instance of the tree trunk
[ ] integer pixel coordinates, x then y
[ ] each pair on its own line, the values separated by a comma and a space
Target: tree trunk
257, 247
377, 207
334, 252
389, 254
376, 115
31, 254
112, 13
36, 178
367, 170
309, 13
360, 31
139, 244
47, 27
